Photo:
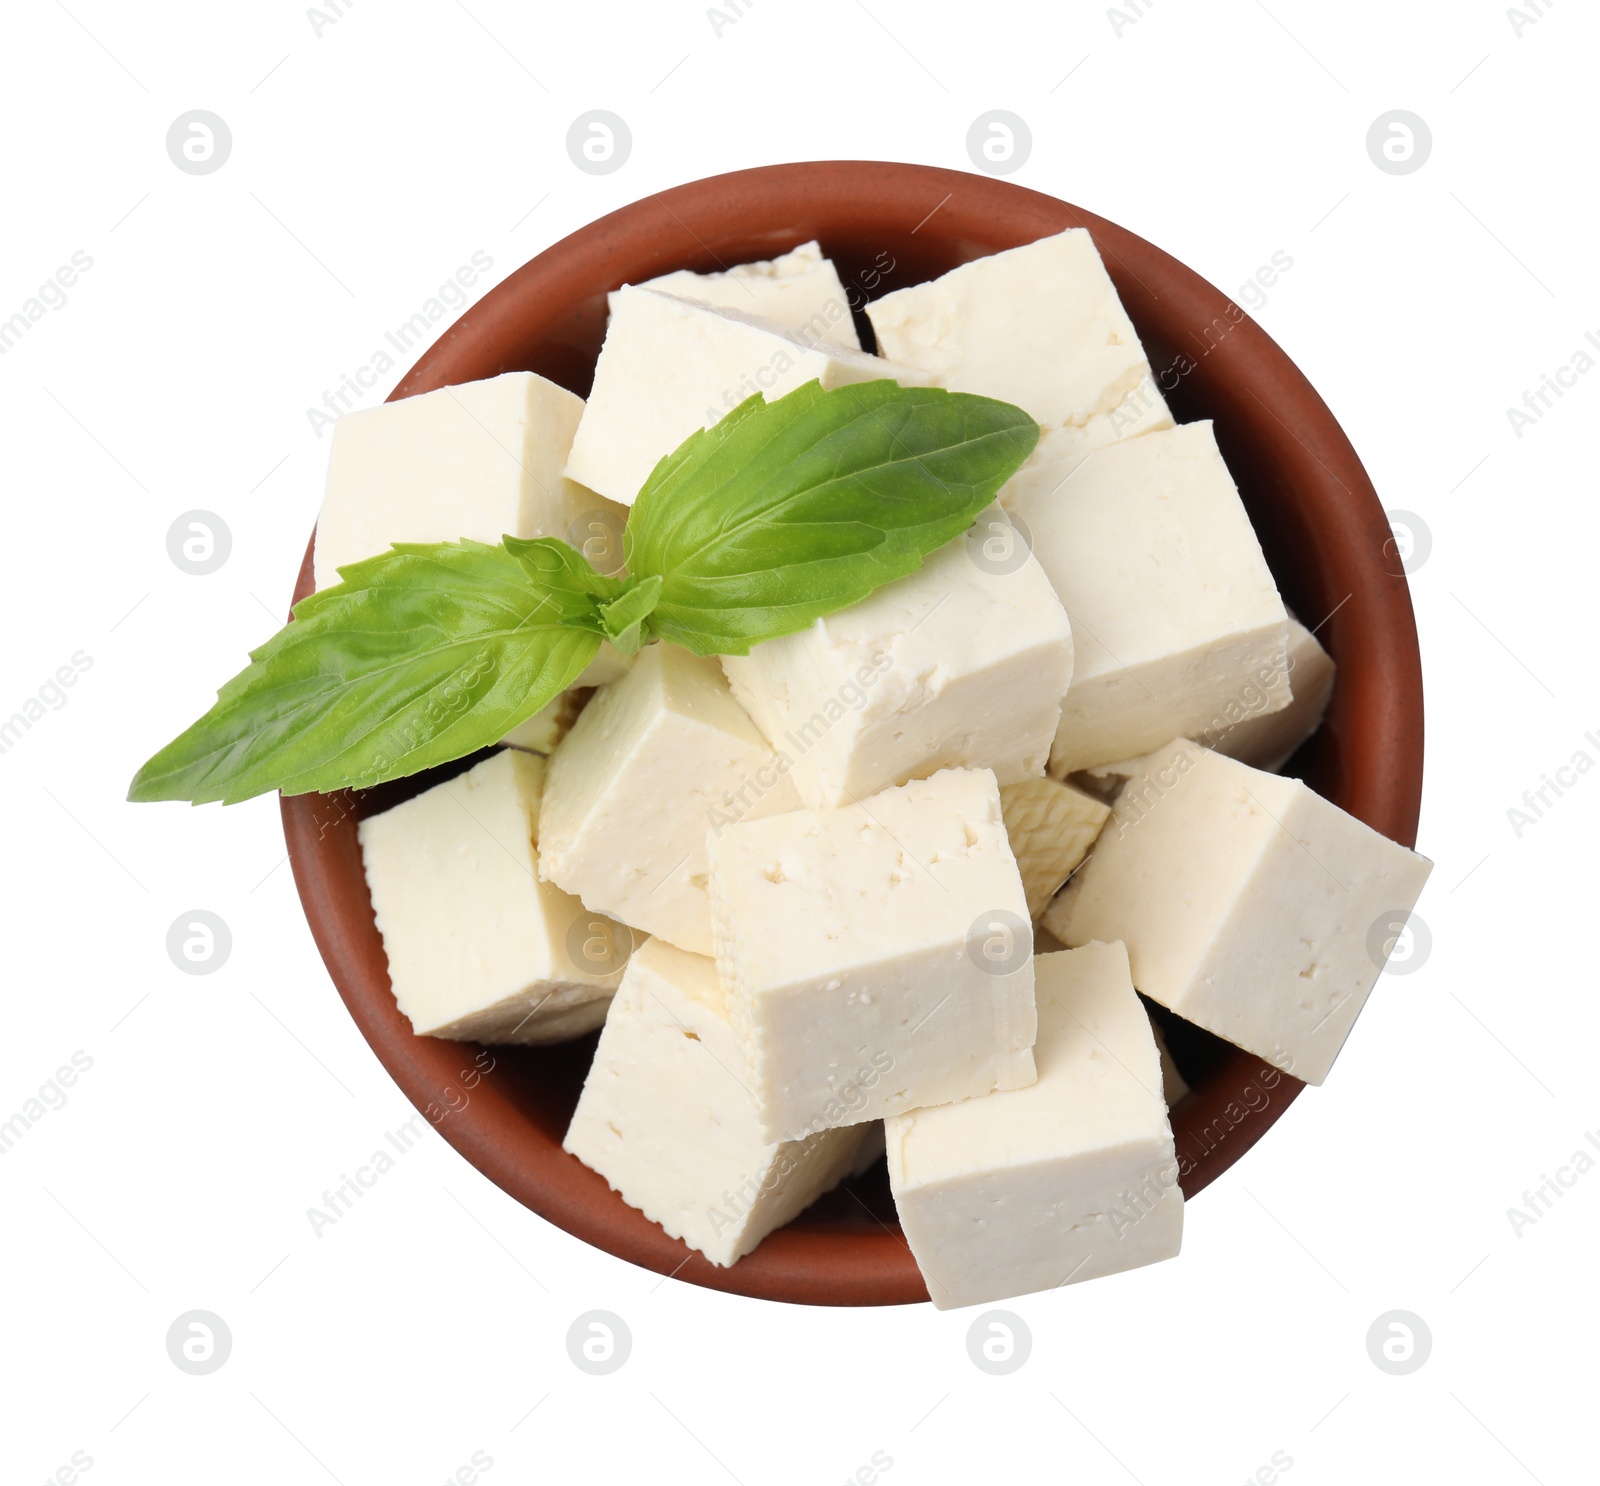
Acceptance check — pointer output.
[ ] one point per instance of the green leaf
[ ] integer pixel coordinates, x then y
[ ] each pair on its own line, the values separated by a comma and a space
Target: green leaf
784, 512
417, 657
624, 618
549, 560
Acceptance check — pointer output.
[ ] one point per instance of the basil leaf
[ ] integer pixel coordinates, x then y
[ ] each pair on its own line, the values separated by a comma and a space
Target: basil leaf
624, 618
550, 560
787, 511
416, 657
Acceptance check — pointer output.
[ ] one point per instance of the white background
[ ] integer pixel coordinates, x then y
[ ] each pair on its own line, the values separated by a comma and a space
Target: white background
369, 162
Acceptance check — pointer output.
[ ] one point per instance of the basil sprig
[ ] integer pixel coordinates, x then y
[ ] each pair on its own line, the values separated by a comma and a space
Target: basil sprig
779, 514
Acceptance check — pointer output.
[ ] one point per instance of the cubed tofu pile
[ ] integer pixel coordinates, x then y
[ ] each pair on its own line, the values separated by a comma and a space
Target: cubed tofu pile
796, 890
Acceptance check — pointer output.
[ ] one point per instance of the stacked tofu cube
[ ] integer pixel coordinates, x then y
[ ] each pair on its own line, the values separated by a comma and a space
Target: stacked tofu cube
799, 887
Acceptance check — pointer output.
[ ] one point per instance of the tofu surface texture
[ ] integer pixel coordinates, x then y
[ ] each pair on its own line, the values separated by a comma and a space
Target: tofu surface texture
478, 946
1268, 740
1070, 1179
479, 461
1040, 326
1051, 827
1250, 905
664, 1118
548, 726
877, 957
1177, 624
799, 290
654, 763
961, 664
670, 366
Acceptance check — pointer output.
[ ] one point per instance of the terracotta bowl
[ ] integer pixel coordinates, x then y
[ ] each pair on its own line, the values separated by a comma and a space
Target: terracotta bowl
887, 226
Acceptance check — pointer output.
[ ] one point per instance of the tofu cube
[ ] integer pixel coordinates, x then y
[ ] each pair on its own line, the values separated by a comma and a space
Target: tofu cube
1268, 740
549, 725
799, 290
1070, 1179
1039, 326
877, 957
1263, 732
671, 366
1176, 620
654, 763
961, 664
478, 947
1051, 827
666, 1120
479, 461
1250, 906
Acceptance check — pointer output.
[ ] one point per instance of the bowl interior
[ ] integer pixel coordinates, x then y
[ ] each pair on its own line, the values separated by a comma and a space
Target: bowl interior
887, 226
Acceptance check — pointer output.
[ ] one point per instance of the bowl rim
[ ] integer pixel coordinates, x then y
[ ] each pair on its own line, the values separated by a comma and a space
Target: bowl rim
855, 1264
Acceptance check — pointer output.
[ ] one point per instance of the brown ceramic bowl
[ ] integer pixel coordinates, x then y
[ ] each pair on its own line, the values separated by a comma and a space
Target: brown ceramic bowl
887, 226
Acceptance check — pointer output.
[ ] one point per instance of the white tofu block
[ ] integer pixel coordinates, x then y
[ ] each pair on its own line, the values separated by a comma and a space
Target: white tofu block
1070, 1179
877, 957
1268, 740
548, 726
799, 290
475, 462
1265, 735
665, 1119
1176, 620
1051, 827
1039, 326
961, 664
654, 763
1250, 905
670, 366
478, 947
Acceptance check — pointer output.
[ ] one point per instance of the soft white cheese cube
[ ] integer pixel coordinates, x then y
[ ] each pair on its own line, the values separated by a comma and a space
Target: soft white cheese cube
1268, 740
1070, 1179
1250, 906
670, 366
1258, 729
961, 664
549, 725
655, 762
666, 1120
479, 461
1176, 620
478, 946
1051, 827
799, 290
877, 957
1039, 326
